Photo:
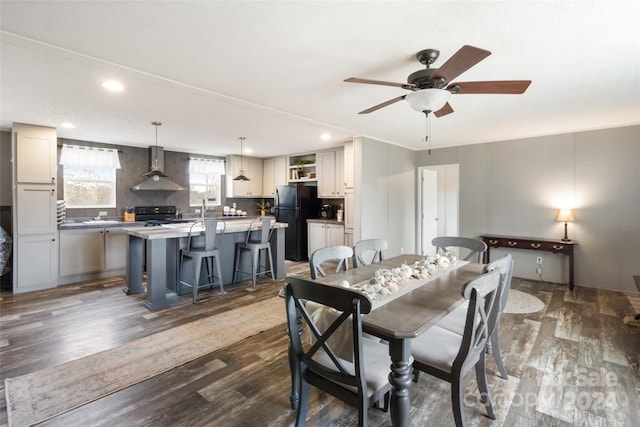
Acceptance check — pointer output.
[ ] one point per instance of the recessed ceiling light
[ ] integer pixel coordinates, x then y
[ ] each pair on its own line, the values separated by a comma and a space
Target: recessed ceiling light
113, 86
68, 125
248, 150
325, 136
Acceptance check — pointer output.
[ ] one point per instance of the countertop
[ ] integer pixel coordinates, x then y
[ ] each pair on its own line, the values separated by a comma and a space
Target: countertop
326, 221
170, 231
86, 223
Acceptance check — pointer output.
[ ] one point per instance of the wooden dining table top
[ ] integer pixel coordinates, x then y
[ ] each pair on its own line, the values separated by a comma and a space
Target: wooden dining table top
415, 311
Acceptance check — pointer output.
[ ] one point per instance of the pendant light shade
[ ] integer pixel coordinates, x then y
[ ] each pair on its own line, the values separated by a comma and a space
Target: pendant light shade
241, 176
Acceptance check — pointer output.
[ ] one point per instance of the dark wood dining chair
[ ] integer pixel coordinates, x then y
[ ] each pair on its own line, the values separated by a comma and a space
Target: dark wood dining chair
361, 382
476, 247
368, 251
450, 356
203, 248
338, 254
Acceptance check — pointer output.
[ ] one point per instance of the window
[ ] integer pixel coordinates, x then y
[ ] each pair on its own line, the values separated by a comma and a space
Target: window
89, 176
204, 181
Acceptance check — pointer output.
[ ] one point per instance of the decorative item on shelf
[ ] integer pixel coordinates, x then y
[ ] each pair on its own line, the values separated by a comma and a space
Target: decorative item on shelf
263, 206
241, 176
565, 215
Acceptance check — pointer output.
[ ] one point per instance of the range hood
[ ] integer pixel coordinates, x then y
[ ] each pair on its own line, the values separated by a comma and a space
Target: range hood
156, 179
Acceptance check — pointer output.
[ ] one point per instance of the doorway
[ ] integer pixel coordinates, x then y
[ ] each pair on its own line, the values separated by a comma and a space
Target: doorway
438, 203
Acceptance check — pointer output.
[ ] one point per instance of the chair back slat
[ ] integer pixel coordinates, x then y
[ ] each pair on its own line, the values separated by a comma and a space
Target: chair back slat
341, 254
368, 251
264, 232
505, 266
476, 247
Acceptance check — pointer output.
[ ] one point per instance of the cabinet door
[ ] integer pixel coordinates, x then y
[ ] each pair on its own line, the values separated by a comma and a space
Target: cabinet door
81, 251
280, 173
36, 209
36, 262
348, 208
35, 154
268, 178
349, 174
115, 248
252, 169
325, 163
316, 238
339, 173
335, 235
255, 174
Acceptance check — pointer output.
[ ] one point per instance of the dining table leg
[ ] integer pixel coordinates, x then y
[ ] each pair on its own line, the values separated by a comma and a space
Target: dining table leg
400, 379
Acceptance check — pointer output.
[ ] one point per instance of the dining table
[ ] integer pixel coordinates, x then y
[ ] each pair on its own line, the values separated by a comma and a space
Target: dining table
419, 304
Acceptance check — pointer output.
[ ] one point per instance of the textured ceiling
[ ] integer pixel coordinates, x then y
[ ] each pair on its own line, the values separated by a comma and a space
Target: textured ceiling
273, 71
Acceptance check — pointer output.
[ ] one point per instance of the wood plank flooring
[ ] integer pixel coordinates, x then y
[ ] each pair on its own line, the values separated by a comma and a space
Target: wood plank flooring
572, 364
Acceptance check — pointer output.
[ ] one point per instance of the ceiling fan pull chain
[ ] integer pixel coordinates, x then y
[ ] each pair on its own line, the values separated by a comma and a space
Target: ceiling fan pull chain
428, 131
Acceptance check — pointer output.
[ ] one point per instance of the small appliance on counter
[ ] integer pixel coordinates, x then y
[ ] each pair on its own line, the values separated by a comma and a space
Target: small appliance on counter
327, 211
340, 214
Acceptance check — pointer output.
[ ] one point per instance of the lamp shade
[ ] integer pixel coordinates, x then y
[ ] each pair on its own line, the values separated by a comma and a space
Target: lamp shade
565, 215
428, 99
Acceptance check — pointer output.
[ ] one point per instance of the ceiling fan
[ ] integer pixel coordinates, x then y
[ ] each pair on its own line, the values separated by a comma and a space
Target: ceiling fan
431, 88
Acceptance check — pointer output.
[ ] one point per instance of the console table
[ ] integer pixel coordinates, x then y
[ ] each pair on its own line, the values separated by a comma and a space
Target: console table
532, 243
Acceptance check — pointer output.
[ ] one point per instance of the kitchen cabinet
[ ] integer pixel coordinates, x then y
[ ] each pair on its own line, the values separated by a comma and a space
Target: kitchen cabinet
252, 169
37, 206
322, 234
34, 207
330, 165
36, 262
92, 250
274, 174
348, 166
35, 154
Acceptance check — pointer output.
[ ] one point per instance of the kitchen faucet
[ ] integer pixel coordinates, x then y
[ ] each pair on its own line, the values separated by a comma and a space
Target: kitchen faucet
204, 208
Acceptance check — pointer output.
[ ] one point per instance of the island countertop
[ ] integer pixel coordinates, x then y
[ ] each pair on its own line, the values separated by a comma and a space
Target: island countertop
177, 230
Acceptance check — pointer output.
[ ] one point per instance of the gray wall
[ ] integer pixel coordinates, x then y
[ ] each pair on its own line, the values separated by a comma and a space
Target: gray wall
388, 194
515, 188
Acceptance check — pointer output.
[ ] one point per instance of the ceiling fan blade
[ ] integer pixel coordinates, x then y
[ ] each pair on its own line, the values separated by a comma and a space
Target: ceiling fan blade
384, 104
514, 87
380, 82
444, 110
465, 58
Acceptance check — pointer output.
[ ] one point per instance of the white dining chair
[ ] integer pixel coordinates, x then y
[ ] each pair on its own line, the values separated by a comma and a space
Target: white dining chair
475, 247
337, 254
368, 251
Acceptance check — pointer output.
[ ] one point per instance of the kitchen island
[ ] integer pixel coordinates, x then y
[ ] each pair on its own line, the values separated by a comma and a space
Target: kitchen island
163, 244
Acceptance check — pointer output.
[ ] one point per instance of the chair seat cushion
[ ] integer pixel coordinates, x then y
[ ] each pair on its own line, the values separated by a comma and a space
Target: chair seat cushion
437, 347
455, 321
376, 365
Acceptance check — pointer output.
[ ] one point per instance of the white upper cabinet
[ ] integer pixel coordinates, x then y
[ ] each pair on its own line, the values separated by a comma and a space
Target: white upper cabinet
330, 169
35, 154
274, 174
251, 167
348, 169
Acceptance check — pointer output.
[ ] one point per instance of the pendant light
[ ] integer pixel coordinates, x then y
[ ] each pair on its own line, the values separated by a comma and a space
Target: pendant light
241, 177
155, 171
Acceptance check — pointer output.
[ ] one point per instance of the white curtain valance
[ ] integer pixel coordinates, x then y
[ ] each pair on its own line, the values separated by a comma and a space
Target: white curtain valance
206, 166
76, 155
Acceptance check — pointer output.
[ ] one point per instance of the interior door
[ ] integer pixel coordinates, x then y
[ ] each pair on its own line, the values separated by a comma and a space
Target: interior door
429, 214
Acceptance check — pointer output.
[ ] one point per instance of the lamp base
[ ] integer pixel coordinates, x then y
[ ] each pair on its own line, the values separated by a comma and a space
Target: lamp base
566, 237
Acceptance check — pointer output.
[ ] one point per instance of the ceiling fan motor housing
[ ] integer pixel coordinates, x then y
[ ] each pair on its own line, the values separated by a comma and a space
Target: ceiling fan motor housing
422, 80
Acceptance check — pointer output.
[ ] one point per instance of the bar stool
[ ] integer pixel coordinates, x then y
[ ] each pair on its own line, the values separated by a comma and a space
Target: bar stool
255, 247
207, 253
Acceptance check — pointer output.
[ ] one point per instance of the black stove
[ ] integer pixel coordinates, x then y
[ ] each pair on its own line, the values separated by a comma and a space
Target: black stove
157, 215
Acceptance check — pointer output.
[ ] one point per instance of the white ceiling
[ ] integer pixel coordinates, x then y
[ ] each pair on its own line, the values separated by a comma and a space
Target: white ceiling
273, 71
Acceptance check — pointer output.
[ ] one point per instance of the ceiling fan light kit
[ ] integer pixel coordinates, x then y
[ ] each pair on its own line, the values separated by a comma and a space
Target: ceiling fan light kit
428, 100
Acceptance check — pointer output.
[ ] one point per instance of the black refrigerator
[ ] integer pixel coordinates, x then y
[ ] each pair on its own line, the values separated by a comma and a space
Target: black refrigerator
294, 204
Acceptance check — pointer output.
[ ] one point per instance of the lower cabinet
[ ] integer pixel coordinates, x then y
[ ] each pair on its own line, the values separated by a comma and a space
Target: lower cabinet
92, 250
322, 234
36, 262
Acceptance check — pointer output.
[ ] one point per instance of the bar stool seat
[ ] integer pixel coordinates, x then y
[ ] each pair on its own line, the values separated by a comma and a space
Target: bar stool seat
207, 252
255, 248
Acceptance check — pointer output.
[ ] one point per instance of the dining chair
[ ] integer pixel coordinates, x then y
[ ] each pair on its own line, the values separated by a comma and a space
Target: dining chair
339, 254
255, 248
450, 356
203, 249
476, 247
455, 320
362, 381
368, 251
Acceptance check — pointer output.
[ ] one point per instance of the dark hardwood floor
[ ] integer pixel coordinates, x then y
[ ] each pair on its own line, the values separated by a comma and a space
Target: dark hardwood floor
573, 363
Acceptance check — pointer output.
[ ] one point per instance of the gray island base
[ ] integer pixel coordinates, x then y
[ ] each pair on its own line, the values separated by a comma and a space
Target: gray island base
163, 244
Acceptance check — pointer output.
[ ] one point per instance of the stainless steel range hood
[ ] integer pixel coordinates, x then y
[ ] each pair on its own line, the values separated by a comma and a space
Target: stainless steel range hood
157, 180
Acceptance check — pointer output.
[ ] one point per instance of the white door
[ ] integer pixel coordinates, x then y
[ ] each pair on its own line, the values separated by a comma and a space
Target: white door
439, 193
429, 193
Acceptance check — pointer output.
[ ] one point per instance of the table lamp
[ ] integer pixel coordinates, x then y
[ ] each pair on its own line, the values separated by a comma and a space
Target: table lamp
565, 215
